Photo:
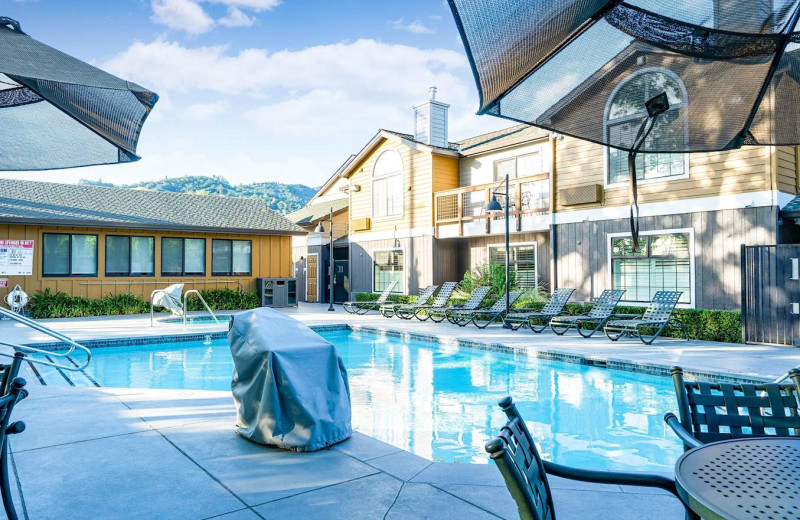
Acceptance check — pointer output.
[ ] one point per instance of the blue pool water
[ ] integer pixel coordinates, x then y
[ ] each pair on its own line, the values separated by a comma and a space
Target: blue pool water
440, 401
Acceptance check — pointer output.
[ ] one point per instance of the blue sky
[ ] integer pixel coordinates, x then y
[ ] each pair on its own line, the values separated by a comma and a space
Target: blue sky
261, 90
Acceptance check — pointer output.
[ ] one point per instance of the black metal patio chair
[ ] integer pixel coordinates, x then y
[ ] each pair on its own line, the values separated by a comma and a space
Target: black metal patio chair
357, 307
658, 316
526, 317
601, 312
421, 312
475, 300
482, 318
13, 391
525, 473
392, 309
710, 412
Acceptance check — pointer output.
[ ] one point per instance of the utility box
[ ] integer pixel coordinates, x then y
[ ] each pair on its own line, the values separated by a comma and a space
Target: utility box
277, 292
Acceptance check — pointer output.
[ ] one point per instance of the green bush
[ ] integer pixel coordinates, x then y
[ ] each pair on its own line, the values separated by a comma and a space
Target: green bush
394, 298
492, 275
225, 300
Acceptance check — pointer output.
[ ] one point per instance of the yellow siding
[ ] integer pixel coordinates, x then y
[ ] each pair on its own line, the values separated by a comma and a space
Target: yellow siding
271, 257
786, 164
445, 173
416, 188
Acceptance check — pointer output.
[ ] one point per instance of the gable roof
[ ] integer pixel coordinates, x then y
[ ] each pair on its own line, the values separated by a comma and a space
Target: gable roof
32, 202
313, 212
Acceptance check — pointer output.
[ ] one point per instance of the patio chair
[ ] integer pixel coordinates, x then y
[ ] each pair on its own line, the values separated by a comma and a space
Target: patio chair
601, 312
475, 300
554, 307
422, 312
13, 391
525, 473
658, 316
710, 412
364, 307
482, 318
391, 309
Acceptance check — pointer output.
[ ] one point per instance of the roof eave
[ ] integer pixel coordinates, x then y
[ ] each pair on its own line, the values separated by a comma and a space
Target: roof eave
155, 227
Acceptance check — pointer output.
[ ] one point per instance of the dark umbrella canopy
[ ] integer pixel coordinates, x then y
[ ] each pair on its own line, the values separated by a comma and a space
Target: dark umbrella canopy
59, 112
585, 68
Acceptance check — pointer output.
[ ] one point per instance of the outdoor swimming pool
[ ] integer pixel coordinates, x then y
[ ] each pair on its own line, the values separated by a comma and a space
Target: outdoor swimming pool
440, 401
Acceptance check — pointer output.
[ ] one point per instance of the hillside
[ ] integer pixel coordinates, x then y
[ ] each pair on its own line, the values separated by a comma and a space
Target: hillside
283, 198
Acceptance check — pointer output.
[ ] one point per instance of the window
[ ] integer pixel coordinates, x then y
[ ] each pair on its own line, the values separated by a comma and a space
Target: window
130, 256
625, 114
183, 257
522, 263
388, 268
387, 185
231, 257
69, 255
521, 166
661, 264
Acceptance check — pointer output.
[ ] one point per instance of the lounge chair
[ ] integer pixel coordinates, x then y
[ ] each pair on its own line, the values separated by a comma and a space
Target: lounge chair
13, 391
364, 307
658, 315
422, 312
554, 307
482, 318
601, 312
475, 300
525, 473
709, 412
391, 309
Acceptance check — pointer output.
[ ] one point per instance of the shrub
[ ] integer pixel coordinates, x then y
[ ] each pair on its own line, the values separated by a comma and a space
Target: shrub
492, 275
225, 300
394, 298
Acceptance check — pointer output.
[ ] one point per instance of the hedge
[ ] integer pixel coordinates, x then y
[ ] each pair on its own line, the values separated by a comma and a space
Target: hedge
47, 304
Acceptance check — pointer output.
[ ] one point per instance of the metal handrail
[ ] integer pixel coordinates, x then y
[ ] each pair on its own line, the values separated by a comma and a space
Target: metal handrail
53, 334
185, 299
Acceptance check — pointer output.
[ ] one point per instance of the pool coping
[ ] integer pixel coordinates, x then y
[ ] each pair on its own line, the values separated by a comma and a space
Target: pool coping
548, 354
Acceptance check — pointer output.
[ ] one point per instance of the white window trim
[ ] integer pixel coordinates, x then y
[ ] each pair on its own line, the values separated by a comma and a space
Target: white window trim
692, 274
316, 298
535, 245
405, 263
372, 188
540, 152
606, 183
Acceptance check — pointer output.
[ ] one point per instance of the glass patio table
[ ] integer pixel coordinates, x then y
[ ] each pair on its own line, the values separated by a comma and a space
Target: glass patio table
749, 479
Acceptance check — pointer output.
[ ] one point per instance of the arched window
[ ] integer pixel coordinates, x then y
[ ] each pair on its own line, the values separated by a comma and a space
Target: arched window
624, 116
387, 185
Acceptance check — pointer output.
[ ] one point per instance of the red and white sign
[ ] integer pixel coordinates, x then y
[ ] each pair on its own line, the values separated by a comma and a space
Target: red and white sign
16, 257
3, 282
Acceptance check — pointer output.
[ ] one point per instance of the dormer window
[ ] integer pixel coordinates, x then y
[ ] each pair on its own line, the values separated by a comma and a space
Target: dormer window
387, 185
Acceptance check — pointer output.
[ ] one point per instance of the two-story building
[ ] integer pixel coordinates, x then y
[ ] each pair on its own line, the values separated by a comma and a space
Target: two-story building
416, 210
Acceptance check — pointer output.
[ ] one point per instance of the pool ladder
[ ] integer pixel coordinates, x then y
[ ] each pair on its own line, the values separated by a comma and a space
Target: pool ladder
177, 305
73, 345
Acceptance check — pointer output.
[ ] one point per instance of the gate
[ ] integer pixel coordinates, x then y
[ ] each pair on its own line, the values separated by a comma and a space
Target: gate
771, 294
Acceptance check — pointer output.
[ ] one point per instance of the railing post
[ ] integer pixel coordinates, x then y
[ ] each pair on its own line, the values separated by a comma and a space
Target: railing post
461, 214
743, 267
487, 197
518, 203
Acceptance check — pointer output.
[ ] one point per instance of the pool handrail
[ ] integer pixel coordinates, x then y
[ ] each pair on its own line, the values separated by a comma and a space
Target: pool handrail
186, 312
169, 297
53, 334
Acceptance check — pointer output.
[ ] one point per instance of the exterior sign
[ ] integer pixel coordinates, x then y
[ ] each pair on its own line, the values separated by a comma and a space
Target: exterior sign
3, 282
16, 257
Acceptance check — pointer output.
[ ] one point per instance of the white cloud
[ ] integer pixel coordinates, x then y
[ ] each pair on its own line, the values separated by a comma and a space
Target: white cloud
204, 111
415, 27
183, 15
255, 5
237, 18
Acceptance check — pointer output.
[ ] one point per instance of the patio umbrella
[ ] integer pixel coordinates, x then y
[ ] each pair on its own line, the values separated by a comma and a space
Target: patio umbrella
59, 112
641, 75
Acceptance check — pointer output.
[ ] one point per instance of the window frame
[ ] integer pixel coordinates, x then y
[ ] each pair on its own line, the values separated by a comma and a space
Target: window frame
69, 256
515, 158
231, 272
374, 262
673, 231
183, 257
374, 177
130, 257
512, 246
607, 149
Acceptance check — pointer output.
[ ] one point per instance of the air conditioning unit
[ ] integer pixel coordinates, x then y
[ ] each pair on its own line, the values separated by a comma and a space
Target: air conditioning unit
588, 194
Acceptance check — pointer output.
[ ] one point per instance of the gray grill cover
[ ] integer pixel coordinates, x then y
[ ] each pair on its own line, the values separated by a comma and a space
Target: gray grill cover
289, 384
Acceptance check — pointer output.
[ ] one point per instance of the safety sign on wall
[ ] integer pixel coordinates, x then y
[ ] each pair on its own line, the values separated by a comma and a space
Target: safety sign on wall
16, 257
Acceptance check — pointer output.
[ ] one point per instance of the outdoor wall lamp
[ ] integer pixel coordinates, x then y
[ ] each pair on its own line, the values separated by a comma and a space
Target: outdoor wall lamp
495, 207
321, 229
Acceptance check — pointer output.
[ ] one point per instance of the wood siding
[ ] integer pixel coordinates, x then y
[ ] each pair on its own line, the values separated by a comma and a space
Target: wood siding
477, 252
583, 260
786, 174
417, 258
271, 257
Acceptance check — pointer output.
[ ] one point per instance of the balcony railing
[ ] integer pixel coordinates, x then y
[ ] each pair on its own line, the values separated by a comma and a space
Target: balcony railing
462, 208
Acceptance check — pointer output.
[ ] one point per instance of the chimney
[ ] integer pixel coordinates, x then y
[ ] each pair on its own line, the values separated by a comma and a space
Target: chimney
430, 121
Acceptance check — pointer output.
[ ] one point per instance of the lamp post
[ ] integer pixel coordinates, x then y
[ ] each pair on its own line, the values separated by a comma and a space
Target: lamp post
321, 229
494, 207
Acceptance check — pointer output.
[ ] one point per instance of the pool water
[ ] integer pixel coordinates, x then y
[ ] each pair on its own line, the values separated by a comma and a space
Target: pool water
440, 401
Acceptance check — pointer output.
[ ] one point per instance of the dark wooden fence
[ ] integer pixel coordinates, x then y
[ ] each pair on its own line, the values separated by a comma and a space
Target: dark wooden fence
771, 294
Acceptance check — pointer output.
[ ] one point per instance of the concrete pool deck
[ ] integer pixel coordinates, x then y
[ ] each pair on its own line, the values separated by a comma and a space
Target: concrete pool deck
133, 453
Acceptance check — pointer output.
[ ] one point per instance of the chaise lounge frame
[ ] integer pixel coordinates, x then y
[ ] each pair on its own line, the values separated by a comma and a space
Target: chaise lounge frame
658, 315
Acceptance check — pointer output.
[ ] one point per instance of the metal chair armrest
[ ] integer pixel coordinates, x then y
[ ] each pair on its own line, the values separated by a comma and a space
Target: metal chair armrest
688, 439
624, 316
612, 477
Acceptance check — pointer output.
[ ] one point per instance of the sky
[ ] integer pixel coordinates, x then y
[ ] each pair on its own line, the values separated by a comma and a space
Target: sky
262, 90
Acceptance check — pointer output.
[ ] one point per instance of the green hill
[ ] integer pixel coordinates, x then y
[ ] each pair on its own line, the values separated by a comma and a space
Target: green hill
283, 198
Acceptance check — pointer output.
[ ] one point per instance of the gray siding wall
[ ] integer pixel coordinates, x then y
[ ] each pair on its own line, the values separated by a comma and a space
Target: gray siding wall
418, 258
583, 263
476, 251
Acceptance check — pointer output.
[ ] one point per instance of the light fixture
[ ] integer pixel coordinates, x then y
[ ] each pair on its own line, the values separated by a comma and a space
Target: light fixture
494, 205
320, 228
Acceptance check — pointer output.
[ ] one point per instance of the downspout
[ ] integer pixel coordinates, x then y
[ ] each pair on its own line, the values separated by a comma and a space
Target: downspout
553, 227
